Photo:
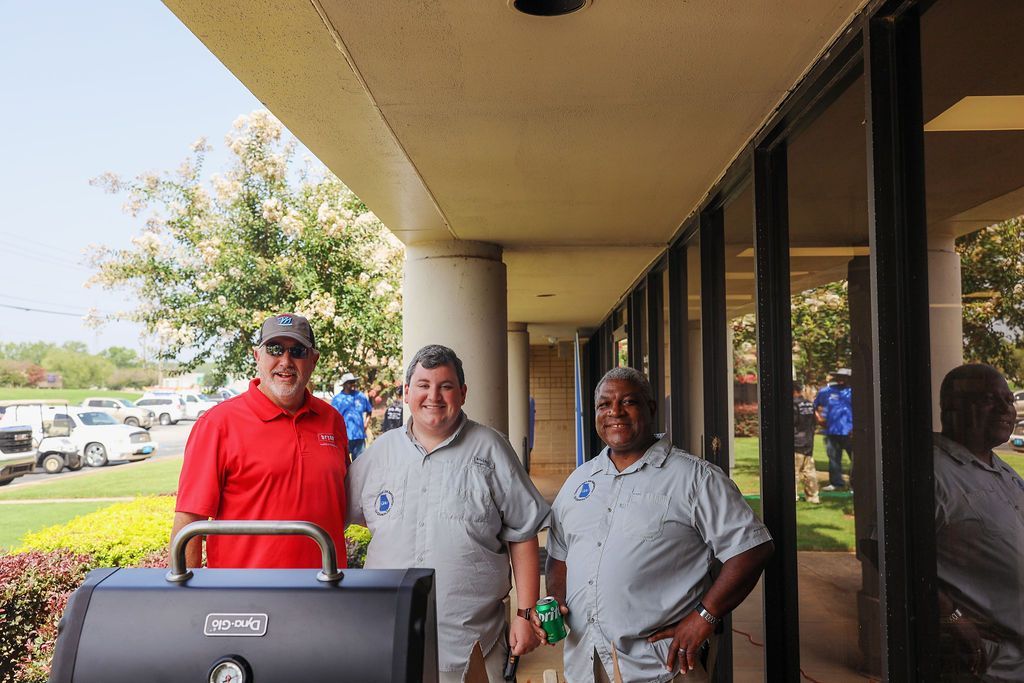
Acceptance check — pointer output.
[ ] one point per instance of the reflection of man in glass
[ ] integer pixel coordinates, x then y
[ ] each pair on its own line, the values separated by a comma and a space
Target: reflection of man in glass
834, 407
979, 526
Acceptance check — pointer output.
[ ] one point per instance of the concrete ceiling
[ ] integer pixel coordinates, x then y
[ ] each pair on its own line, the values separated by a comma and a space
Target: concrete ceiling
562, 139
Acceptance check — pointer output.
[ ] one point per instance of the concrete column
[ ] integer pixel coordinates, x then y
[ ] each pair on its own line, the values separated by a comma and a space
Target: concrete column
519, 388
945, 313
454, 293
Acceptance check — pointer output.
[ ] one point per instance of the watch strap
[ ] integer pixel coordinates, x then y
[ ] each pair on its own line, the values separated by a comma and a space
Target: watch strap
706, 615
525, 613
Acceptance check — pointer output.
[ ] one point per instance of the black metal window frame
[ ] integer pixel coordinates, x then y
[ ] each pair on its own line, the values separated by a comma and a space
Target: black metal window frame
883, 40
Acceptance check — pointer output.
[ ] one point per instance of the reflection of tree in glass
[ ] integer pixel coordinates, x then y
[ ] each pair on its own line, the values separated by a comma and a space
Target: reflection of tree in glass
821, 335
992, 275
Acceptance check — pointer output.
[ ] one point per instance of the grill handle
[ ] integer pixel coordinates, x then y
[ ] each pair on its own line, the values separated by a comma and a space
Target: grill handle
180, 573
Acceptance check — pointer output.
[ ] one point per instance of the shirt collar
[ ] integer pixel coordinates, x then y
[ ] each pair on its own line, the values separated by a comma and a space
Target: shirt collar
267, 410
463, 419
654, 456
958, 452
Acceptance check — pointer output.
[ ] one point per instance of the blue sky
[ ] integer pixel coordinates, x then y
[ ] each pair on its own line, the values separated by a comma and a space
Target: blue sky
91, 87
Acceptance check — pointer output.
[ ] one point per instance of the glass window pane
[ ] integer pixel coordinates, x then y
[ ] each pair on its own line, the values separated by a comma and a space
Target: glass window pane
973, 106
693, 440
833, 355
743, 446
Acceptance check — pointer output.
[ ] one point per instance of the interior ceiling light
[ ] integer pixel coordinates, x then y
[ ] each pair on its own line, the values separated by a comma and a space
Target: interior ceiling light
995, 112
816, 251
549, 8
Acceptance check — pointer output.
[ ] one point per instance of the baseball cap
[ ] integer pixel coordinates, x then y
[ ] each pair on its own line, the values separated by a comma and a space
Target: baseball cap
842, 372
288, 325
348, 377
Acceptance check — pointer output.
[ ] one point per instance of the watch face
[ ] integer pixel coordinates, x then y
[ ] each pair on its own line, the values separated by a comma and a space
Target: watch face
227, 672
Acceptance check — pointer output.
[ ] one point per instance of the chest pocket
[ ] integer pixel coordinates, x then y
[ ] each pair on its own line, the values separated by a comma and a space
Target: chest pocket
645, 515
467, 494
991, 512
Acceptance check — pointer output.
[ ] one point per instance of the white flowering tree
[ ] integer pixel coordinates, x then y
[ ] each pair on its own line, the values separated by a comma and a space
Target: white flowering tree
213, 259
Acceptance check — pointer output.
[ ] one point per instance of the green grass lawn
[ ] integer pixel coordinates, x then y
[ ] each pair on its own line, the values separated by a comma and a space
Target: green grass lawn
828, 526
18, 520
72, 396
136, 479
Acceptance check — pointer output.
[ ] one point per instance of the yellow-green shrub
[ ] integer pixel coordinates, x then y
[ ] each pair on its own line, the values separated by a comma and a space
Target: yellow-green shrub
117, 536
357, 539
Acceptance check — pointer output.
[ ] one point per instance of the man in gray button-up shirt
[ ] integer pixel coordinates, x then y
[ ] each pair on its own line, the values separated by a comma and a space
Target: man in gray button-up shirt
448, 493
979, 530
633, 536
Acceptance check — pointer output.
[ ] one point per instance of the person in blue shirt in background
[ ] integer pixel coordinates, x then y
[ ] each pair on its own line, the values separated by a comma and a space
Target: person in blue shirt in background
356, 409
834, 407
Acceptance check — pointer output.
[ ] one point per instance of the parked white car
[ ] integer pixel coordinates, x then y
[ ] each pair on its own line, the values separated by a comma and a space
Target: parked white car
124, 410
101, 438
168, 409
193, 403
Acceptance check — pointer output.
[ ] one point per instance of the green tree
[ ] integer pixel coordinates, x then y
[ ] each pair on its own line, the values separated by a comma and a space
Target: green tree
121, 357
821, 334
210, 265
992, 275
78, 370
32, 352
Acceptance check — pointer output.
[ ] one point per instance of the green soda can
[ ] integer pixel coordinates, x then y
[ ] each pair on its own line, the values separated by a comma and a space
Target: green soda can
551, 619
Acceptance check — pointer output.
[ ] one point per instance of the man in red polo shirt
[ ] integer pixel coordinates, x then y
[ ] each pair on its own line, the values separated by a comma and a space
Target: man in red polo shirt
274, 453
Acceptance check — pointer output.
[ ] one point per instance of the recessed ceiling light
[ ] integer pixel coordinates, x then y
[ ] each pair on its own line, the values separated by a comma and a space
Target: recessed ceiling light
544, 296
549, 8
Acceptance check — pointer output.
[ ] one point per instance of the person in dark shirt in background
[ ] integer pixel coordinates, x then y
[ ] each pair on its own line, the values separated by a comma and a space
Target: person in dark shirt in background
394, 416
804, 421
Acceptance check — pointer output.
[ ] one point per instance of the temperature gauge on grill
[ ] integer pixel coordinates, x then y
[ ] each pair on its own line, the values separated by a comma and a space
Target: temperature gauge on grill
230, 669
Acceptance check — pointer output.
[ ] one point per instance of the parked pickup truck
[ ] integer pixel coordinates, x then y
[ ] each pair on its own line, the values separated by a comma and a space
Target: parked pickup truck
123, 410
50, 438
17, 454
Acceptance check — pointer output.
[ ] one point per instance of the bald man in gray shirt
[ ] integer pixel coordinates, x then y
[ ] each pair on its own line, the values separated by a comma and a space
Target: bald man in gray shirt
633, 536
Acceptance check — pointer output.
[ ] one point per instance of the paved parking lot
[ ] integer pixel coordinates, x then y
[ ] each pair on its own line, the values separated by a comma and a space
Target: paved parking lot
170, 439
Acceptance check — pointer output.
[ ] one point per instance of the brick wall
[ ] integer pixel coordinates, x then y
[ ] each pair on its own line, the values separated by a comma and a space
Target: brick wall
552, 386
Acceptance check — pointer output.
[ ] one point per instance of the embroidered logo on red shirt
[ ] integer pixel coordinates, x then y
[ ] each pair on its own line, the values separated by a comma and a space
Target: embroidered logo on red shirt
328, 440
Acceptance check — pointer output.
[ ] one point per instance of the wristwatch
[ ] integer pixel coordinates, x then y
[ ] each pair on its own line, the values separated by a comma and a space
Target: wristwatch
952, 618
525, 613
706, 615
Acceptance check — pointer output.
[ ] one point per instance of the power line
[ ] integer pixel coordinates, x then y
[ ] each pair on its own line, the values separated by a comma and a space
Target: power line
80, 310
47, 245
41, 310
27, 252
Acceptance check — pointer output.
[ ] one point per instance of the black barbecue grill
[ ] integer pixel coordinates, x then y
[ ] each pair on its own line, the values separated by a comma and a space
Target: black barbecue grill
249, 625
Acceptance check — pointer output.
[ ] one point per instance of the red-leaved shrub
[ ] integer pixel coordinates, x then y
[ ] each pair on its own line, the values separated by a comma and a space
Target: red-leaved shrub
34, 589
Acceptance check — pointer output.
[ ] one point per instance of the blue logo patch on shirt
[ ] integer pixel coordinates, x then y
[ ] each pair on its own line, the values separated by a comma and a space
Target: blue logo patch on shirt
385, 501
584, 490
284, 320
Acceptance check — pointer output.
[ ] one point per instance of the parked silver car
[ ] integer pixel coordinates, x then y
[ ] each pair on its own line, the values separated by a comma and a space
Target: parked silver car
123, 410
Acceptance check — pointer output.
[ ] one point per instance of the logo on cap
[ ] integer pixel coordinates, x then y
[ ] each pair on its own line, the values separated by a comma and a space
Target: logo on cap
584, 490
385, 501
284, 320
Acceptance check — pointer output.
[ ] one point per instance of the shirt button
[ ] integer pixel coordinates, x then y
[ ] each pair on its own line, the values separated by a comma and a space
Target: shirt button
424, 489
421, 524
590, 620
609, 509
591, 582
599, 544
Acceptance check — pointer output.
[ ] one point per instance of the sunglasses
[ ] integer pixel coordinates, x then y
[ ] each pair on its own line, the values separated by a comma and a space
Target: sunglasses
298, 352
